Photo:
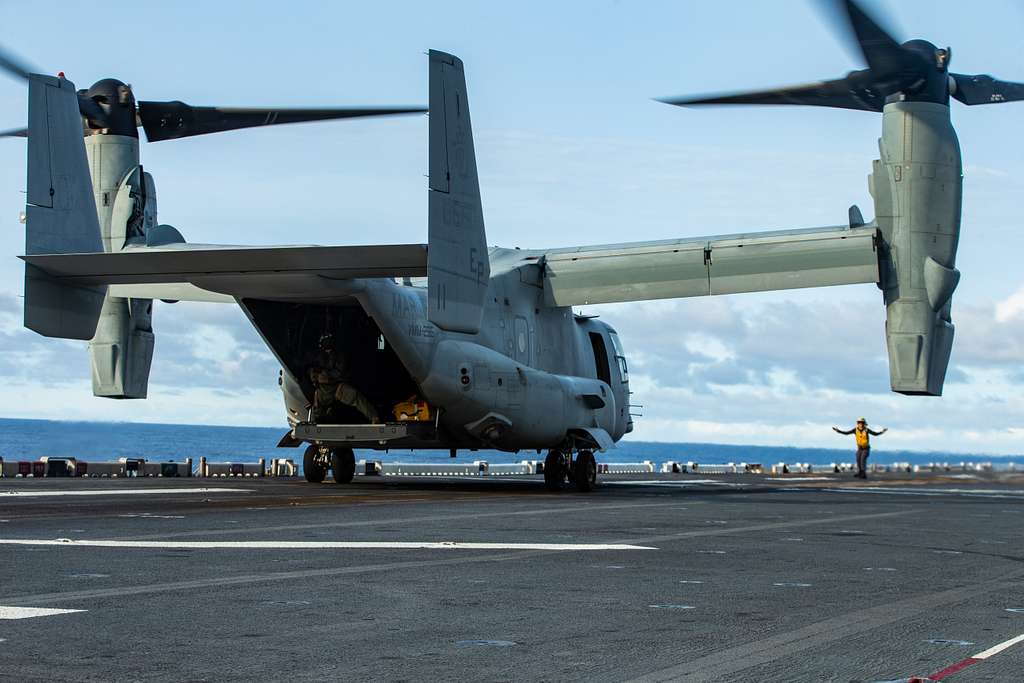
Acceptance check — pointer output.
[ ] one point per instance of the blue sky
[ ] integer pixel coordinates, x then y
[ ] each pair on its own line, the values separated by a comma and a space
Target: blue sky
571, 150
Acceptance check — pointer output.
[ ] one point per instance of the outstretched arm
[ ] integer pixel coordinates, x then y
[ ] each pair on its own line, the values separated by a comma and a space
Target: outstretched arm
837, 430
874, 433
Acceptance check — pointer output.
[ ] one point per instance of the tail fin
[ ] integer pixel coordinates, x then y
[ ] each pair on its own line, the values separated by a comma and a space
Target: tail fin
458, 268
61, 214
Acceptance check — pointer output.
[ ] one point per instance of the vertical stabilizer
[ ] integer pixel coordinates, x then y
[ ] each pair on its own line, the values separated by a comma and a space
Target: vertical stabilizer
458, 269
61, 213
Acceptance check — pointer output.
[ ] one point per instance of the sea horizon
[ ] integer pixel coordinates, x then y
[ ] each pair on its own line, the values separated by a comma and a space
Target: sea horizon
110, 440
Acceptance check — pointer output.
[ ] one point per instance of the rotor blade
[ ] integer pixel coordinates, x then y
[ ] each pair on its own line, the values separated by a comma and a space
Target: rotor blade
172, 120
14, 66
881, 51
842, 93
983, 89
14, 133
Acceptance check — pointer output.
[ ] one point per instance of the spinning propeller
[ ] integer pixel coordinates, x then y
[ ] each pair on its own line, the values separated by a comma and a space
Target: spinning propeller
109, 106
912, 71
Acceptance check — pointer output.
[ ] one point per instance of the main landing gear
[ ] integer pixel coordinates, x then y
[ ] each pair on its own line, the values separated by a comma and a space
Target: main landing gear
558, 468
318, 459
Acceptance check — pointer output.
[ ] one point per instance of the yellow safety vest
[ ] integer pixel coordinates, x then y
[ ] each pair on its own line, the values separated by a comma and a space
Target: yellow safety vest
863, 438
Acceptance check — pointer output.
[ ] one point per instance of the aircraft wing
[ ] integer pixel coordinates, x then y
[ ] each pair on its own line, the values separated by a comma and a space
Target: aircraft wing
201, 272
701, 266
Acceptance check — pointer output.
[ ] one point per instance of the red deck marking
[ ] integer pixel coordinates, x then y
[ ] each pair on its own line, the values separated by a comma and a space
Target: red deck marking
980, 657
950, 670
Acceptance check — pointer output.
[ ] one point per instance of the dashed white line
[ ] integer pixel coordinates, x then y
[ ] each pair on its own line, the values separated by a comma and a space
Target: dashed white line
30, 612
115, 492
318, 545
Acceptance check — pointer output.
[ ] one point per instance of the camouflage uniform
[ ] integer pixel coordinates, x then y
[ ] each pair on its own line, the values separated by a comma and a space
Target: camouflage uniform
330, 382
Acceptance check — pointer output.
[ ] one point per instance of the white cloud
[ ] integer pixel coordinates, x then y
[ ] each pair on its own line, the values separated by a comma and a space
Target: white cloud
797, 367
710, 347
1011, 308
965, 420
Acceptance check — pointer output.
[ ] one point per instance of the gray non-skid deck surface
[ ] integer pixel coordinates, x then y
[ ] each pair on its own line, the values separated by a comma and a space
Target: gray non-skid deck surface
753, 579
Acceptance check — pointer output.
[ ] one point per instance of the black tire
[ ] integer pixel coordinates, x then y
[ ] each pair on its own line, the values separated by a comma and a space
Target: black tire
311, 466
584, 471
343, 463
554, 471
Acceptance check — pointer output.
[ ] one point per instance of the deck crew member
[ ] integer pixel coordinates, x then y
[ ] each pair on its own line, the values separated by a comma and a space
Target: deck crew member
863, 435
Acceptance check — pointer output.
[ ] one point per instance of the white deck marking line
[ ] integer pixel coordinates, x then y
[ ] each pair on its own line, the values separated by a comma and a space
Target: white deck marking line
674, 483
29, 612
115, 492
378, 568
971, 493
321, 545
996, 649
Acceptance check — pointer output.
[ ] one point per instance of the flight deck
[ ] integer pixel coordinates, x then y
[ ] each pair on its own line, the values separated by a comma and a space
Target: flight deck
650, 577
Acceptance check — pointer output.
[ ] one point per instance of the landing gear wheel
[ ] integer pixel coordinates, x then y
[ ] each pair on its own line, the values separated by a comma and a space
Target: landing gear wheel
554, 471
343, 462
312, 466
584, 471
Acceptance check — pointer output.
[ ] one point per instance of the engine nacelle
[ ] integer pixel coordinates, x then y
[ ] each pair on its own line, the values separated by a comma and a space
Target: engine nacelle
121, 351
916, 186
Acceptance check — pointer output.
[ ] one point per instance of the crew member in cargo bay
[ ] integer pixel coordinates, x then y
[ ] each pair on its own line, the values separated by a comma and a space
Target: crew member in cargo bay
330, 376
863, 435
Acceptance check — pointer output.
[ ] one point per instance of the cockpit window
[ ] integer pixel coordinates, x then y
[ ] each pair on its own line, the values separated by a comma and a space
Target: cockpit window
616, 344
620, 356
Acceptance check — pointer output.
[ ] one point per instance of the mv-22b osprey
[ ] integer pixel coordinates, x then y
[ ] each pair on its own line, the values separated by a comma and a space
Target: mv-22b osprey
489, 353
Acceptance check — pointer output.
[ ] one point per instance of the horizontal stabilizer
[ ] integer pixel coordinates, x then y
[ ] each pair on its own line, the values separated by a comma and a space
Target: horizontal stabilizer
235, 271
169, 291
702, 266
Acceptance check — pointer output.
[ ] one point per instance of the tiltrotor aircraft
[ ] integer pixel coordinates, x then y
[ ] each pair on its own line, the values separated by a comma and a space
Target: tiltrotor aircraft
489, 353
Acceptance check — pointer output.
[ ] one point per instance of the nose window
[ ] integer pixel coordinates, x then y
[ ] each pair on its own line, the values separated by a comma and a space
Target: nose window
620, 356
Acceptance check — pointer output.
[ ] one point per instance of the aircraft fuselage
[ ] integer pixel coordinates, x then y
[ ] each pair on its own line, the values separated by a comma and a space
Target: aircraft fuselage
533, 377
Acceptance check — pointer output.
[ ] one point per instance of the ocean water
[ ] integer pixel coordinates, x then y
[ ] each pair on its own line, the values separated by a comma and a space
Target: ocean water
105, 441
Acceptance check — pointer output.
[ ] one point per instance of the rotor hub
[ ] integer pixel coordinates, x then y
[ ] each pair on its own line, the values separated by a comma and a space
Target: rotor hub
113, 110
931, 71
